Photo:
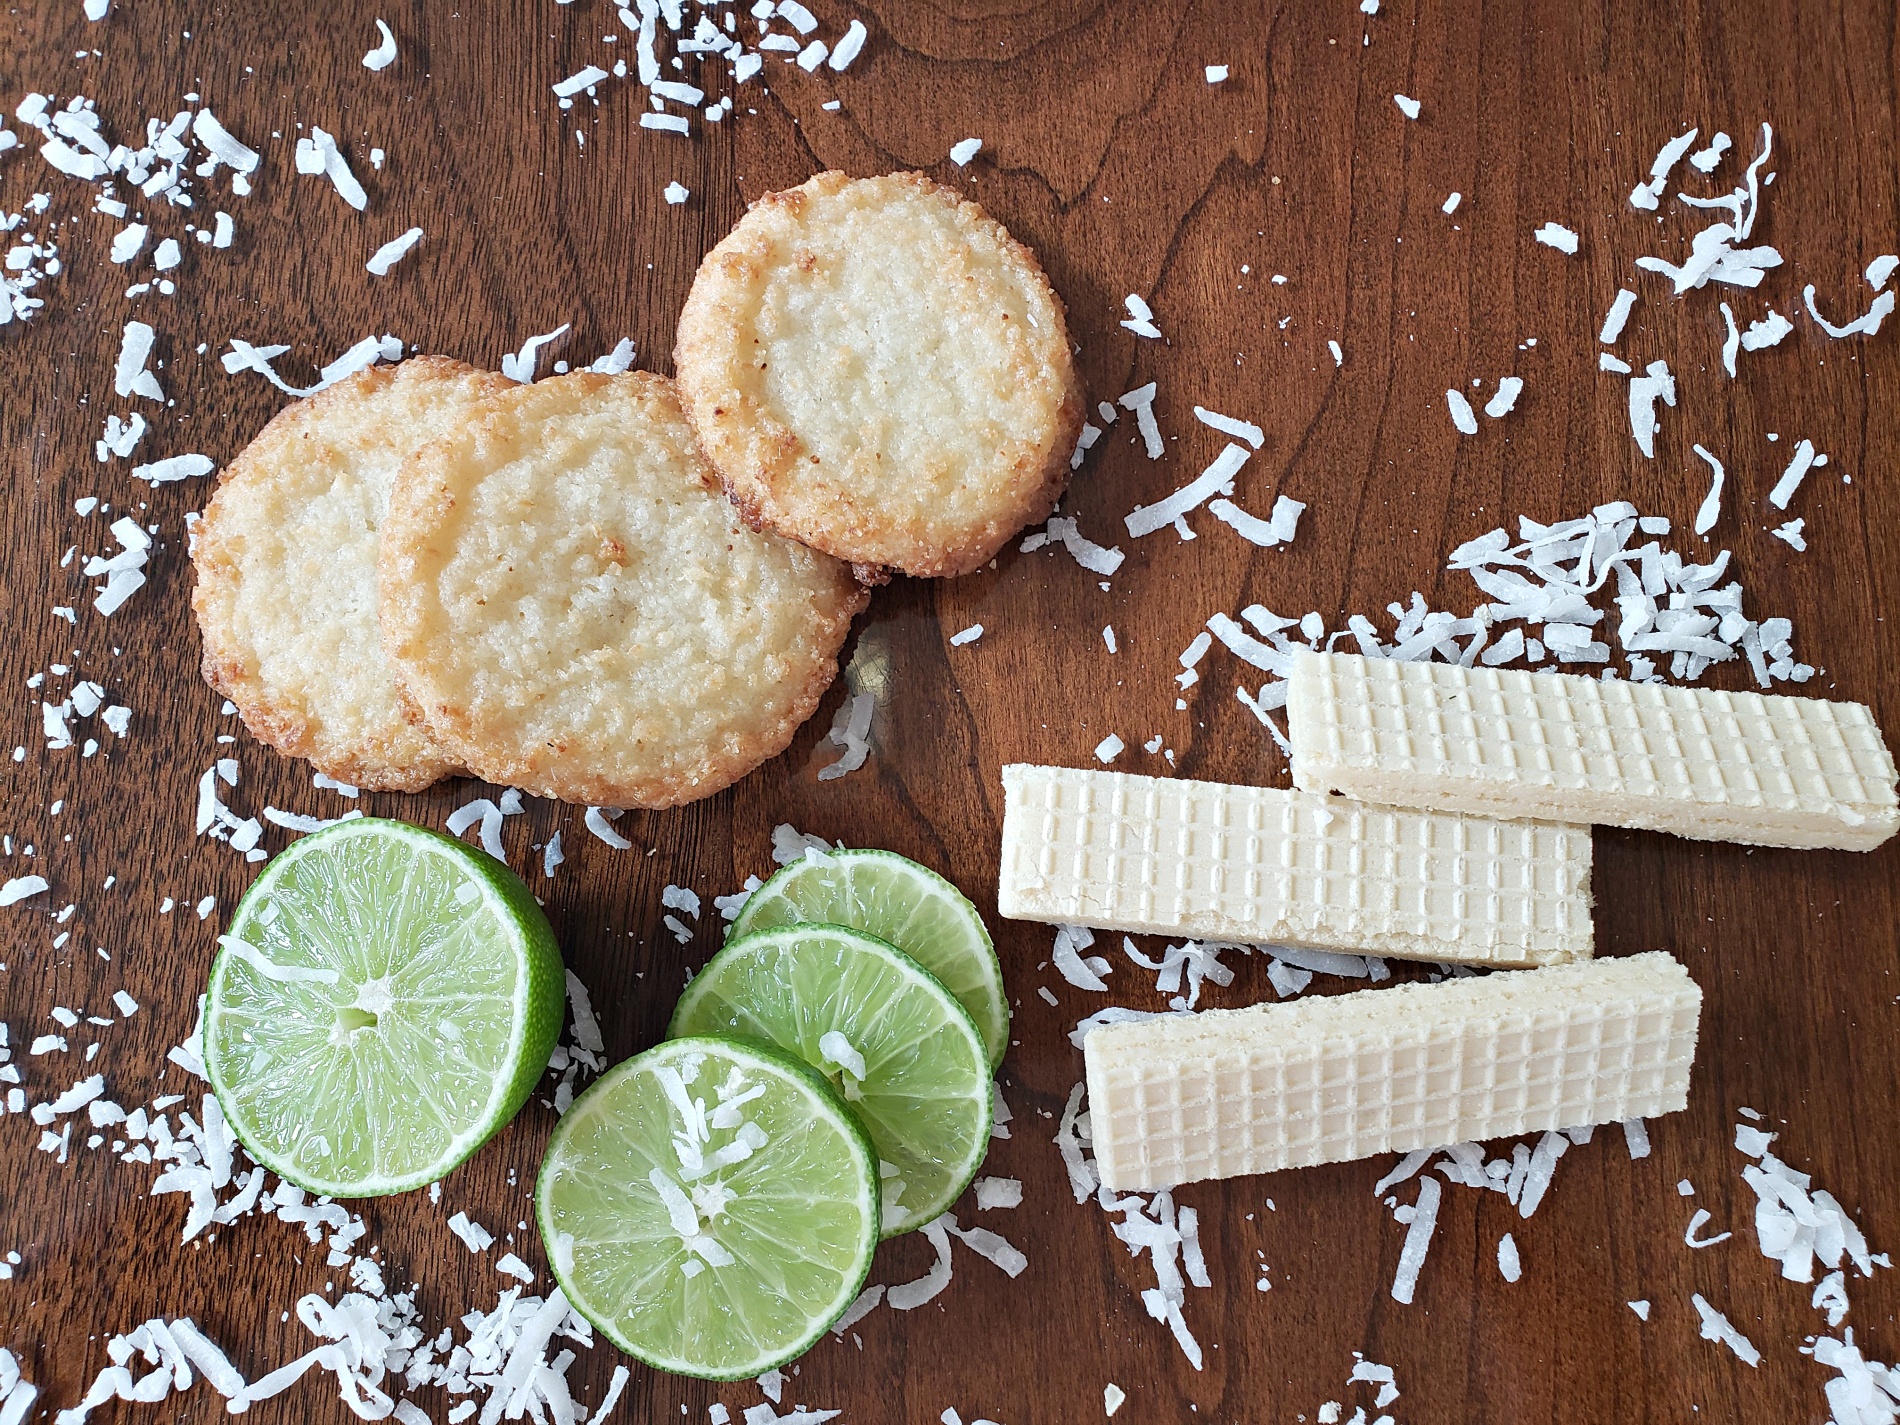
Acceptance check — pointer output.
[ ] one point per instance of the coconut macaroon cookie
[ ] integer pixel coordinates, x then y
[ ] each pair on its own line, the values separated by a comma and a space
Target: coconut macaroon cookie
877, 368
286, 562
575, 610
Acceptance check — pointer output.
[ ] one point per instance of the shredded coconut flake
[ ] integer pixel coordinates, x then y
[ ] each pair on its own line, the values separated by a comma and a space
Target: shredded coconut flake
851, 730
1645, 390
599, 820
1617, 317
1717, 1327
1867, 325
384, 54
1509, 1267
1418, 1238
1216, 479
393, 251
1711, 508
1502, 403
520, 366
1558, 236
20, 888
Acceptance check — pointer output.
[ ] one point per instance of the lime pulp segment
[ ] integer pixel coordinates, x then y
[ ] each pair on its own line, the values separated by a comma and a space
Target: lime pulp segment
710, 1206
902, 903
905, 1055
383, 1002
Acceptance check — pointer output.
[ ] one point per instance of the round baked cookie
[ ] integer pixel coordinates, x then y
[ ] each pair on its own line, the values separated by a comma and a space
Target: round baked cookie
286, 563
877, 368
575, 610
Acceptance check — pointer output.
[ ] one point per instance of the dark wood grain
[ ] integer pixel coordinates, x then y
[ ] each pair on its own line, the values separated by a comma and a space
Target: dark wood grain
1105, 150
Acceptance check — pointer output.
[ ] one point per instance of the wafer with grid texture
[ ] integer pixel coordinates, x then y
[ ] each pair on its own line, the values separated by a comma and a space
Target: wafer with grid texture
1715, 766
1262, 865
1326, 1079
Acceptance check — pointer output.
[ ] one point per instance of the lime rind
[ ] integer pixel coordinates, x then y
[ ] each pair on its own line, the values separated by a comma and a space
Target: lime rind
439, 946
924, 1095
902, 903
801, 1260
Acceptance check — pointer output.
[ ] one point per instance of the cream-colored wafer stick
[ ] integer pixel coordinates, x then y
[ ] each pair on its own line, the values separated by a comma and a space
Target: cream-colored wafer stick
1265, 866
1768, 771
1324, 1079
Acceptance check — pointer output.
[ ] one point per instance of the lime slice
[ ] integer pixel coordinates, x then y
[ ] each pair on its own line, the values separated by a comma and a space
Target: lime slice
383, 1003
710, 1206
906, 1056
903, 904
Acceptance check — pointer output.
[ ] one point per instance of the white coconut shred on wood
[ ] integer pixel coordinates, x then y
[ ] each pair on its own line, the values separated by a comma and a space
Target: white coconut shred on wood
1718, 1328
131, 376
1617, 317
1866, 325
1766, 332
1505, 400
392, 252
384, 53
368, 352
1140, 318
176, 467
850, 730
1711, 507
1804, 459
599, 821
1790, 534
1141, 402
1656, 384
1216, 479
1418, 1238
319, 154
520, 366
1063, 530
1706, 159
1648, 195
1558, 236
1241, 430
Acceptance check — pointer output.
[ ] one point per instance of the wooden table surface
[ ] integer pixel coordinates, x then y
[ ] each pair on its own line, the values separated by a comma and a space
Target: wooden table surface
1105, 149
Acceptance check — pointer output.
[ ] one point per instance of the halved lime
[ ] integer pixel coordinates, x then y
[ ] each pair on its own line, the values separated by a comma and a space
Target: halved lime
900, 1048
710, 1206
902, 904
383, 1003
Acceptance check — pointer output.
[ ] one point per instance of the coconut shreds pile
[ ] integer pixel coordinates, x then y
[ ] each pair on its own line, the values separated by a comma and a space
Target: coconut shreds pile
1522, 1174
371, 1340
1152, 1224
1601, 590
665, 36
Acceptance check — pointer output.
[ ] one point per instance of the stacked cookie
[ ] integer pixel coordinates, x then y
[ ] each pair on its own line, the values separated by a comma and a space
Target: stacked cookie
428, 570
